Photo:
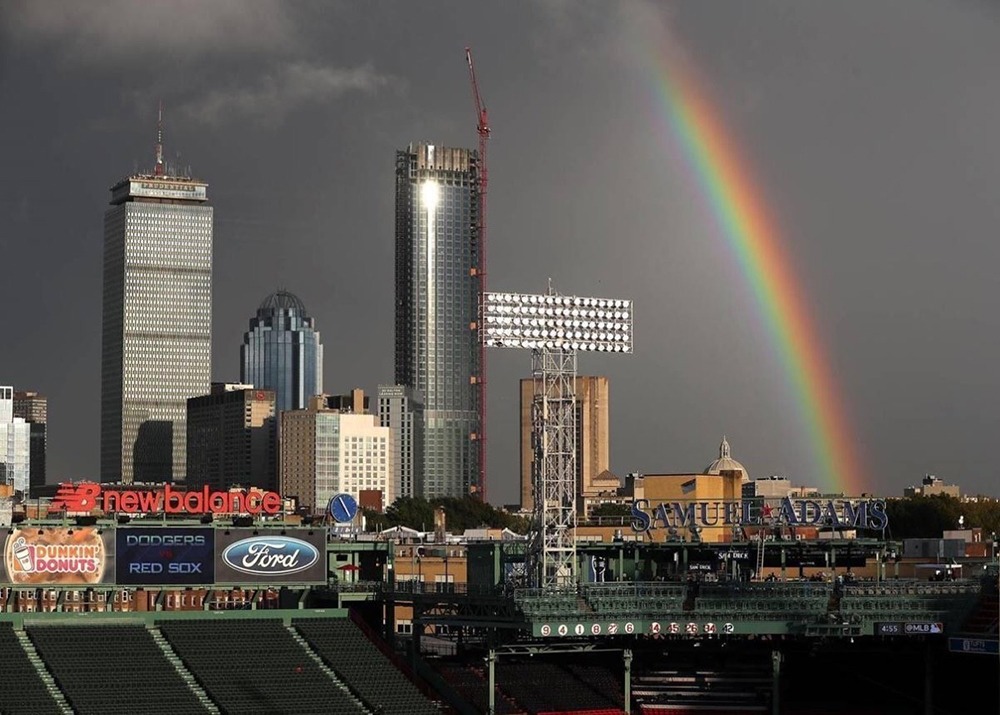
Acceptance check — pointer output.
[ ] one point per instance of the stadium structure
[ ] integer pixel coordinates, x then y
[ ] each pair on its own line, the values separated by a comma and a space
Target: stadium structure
201, 602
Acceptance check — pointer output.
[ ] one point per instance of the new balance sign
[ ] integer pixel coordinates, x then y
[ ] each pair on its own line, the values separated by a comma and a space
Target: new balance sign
85, 496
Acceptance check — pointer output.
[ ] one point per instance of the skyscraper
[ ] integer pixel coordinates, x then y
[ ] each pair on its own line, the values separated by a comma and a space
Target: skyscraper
231, 438
33, 409
592, 441
437, 344
402, 411
15, 455
157, 333
282, 352
327, 451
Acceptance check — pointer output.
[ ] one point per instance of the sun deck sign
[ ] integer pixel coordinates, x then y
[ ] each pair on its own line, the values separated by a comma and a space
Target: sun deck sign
867, 514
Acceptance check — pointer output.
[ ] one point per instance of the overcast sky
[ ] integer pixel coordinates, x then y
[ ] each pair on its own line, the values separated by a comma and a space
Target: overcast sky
871, 128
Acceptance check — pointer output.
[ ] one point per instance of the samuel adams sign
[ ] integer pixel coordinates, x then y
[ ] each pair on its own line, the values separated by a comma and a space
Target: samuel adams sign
829, 513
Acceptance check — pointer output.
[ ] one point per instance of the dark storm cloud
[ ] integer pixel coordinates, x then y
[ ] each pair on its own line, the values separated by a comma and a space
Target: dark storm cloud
278, 92
112, 31
869, 129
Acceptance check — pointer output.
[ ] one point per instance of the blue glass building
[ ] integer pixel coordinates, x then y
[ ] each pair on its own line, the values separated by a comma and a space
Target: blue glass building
282, 352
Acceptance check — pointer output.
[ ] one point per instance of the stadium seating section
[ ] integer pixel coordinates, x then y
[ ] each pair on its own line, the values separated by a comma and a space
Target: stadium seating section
356, 660
256, 667
471, 685
86, 660
23, 692
536, 686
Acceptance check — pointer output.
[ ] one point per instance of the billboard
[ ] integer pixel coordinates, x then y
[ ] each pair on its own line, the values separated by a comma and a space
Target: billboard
264, 556
62, 556
82, 497
165, 555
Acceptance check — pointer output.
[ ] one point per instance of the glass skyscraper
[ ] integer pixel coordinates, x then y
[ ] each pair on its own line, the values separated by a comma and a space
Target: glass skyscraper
157, 332
15, 455
437, 191
33, 409
282, 352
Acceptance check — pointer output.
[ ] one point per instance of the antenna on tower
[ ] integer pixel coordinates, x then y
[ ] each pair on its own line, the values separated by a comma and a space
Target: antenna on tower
158, 169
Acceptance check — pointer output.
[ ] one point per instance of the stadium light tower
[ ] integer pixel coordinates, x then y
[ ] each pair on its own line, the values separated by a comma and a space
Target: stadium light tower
555, 328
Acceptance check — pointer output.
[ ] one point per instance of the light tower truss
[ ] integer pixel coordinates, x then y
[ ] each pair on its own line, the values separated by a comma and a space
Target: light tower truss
555, 328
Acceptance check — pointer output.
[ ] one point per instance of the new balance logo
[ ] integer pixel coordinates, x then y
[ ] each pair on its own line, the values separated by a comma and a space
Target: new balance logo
76, 497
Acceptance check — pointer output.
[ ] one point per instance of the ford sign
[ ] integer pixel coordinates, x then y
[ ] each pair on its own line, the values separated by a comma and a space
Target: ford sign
270, 555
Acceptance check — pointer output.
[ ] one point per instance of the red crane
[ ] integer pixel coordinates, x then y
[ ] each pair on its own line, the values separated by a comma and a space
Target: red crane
483, 129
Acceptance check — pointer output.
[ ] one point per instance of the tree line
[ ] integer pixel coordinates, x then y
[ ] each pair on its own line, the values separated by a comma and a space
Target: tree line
461, 513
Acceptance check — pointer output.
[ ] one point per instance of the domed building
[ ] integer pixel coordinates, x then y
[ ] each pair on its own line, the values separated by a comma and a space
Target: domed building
726, 463
281, 351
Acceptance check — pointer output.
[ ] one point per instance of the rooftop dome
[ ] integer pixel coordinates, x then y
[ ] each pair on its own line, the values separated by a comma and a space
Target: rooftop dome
283, 300
726, 463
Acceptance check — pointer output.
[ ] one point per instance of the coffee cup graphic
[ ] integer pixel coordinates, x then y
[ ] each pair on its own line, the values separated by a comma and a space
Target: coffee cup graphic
23, 554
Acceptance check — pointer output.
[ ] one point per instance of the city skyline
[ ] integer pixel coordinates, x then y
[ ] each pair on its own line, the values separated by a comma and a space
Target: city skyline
874, 159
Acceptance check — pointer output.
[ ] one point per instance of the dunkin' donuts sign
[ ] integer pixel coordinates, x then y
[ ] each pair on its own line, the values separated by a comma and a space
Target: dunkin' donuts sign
58, 556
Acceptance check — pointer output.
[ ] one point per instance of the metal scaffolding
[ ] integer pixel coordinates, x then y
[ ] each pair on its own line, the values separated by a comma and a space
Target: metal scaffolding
553, 430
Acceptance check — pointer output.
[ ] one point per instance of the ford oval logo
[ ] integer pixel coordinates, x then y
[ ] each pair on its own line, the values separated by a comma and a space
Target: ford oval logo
270, 555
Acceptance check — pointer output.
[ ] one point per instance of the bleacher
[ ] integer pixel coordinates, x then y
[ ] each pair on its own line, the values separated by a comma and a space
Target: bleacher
255, 666
366, 670
540, 686
23, 692
710, 682
984, 618
89, 662
471, 684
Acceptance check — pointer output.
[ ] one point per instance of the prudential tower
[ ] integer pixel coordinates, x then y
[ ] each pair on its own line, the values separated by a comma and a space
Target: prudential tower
157, 321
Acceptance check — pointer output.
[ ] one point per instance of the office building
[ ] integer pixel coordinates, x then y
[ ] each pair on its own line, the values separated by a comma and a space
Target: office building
157, 331
282, 352
401, 409
33, 409
231, 438
592, 440
354, 402
437, 345
325, 452
15, 454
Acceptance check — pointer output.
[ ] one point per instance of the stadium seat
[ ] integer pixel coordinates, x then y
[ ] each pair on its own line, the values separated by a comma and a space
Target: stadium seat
88, 681
23, 692
256, 667
366, 670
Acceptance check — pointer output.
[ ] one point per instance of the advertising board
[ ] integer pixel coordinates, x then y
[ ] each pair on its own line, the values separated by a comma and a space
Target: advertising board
266, 556
62, 556
165, 555
83, 497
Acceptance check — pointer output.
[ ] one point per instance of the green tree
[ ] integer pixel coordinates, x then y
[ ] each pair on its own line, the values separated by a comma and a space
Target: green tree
413, 512
610, 510
926, 517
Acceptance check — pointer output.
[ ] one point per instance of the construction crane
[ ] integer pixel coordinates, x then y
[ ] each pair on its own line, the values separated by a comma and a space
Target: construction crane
483, 129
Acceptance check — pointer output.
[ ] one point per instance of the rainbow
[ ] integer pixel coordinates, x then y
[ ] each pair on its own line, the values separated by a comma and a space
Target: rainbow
752, 234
